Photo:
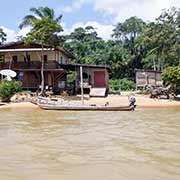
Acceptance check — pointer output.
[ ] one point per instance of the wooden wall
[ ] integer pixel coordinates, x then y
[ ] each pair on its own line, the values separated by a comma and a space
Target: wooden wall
144, 78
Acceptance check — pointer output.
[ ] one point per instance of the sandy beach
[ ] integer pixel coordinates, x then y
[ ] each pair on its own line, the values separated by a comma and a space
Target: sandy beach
19, 105
143, 101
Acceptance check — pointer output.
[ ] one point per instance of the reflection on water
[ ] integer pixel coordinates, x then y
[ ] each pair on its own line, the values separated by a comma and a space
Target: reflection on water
38, 144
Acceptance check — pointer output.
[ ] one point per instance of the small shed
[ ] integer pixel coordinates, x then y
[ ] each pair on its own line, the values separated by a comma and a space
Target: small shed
147, 77
95, 78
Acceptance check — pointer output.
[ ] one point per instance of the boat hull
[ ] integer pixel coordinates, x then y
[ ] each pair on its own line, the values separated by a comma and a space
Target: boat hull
86, 108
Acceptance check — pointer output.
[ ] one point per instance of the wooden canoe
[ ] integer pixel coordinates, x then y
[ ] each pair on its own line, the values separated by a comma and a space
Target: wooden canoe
86, 108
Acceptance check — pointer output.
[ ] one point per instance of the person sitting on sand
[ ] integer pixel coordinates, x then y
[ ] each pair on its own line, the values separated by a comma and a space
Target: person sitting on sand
132, 100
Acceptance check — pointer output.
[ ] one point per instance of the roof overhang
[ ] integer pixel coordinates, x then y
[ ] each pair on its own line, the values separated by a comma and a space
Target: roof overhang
71, 66
26, 50
20, 46
45, 70
147, 70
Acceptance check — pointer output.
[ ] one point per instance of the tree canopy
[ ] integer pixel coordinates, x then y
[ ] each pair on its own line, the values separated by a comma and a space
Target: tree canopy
39, 13
3, 36
44, 31
135, 44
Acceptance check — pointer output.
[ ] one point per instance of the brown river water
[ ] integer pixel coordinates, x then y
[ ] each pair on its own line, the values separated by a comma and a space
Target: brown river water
52, 145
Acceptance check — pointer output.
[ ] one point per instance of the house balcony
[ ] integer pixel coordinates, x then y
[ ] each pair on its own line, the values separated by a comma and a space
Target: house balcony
32, 65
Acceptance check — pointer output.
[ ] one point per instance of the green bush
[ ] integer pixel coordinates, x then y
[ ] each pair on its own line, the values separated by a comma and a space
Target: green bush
121, 85
9, 88
171, 75
71, 77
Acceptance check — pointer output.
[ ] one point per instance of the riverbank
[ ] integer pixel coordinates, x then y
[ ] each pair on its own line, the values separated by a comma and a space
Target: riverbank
143, 101
22, 105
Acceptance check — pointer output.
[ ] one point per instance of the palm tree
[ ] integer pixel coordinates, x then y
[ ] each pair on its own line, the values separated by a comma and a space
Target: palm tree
39, 13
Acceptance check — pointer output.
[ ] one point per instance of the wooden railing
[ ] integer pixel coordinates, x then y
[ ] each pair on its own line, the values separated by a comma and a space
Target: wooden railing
29, 65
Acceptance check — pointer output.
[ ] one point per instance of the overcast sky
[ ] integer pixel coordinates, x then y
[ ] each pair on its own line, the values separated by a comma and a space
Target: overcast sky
101, 14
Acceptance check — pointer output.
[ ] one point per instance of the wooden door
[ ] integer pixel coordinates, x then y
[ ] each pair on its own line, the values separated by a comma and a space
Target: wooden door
99, 79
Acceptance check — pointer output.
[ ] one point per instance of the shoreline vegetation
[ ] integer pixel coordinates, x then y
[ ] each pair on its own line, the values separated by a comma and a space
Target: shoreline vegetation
135, 44
143, 102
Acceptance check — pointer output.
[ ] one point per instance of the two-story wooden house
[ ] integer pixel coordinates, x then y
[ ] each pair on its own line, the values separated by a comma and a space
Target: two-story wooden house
26, 61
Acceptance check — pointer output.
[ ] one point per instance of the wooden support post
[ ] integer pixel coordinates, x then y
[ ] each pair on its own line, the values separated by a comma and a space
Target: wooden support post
10, 61
82, 93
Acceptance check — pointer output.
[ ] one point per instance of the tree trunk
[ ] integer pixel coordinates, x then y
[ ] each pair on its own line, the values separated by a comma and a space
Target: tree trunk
154, 64
158, 63
42, 70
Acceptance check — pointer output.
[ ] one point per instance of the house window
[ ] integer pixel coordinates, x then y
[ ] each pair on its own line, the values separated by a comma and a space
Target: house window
2, 58
14, 59
45, 58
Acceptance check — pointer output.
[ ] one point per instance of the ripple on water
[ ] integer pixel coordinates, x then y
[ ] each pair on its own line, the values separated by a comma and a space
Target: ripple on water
58, 142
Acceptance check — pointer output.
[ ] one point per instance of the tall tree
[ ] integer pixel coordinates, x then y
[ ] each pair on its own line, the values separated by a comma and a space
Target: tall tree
39, 13
127, 33
90, 49
136, 44
45, 31
2, 36
160, 40
129, 29
84, 42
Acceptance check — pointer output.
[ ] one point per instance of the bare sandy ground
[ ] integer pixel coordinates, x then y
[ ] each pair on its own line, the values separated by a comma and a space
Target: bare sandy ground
113, 100
141, 101
19, 105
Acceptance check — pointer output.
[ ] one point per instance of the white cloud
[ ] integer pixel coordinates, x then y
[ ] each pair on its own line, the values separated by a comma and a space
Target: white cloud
119, 10
12, 35
116, 10
76, 5
67, 9
123, 9
104, 30
24, 31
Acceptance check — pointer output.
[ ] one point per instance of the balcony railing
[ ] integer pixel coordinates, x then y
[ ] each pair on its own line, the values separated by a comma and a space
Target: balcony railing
29, 65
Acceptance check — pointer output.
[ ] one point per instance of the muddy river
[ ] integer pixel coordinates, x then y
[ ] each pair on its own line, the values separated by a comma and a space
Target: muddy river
51, 145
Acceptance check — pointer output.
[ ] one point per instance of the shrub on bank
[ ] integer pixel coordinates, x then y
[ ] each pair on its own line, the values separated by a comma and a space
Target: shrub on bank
121, 85
171, 76
9, 88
